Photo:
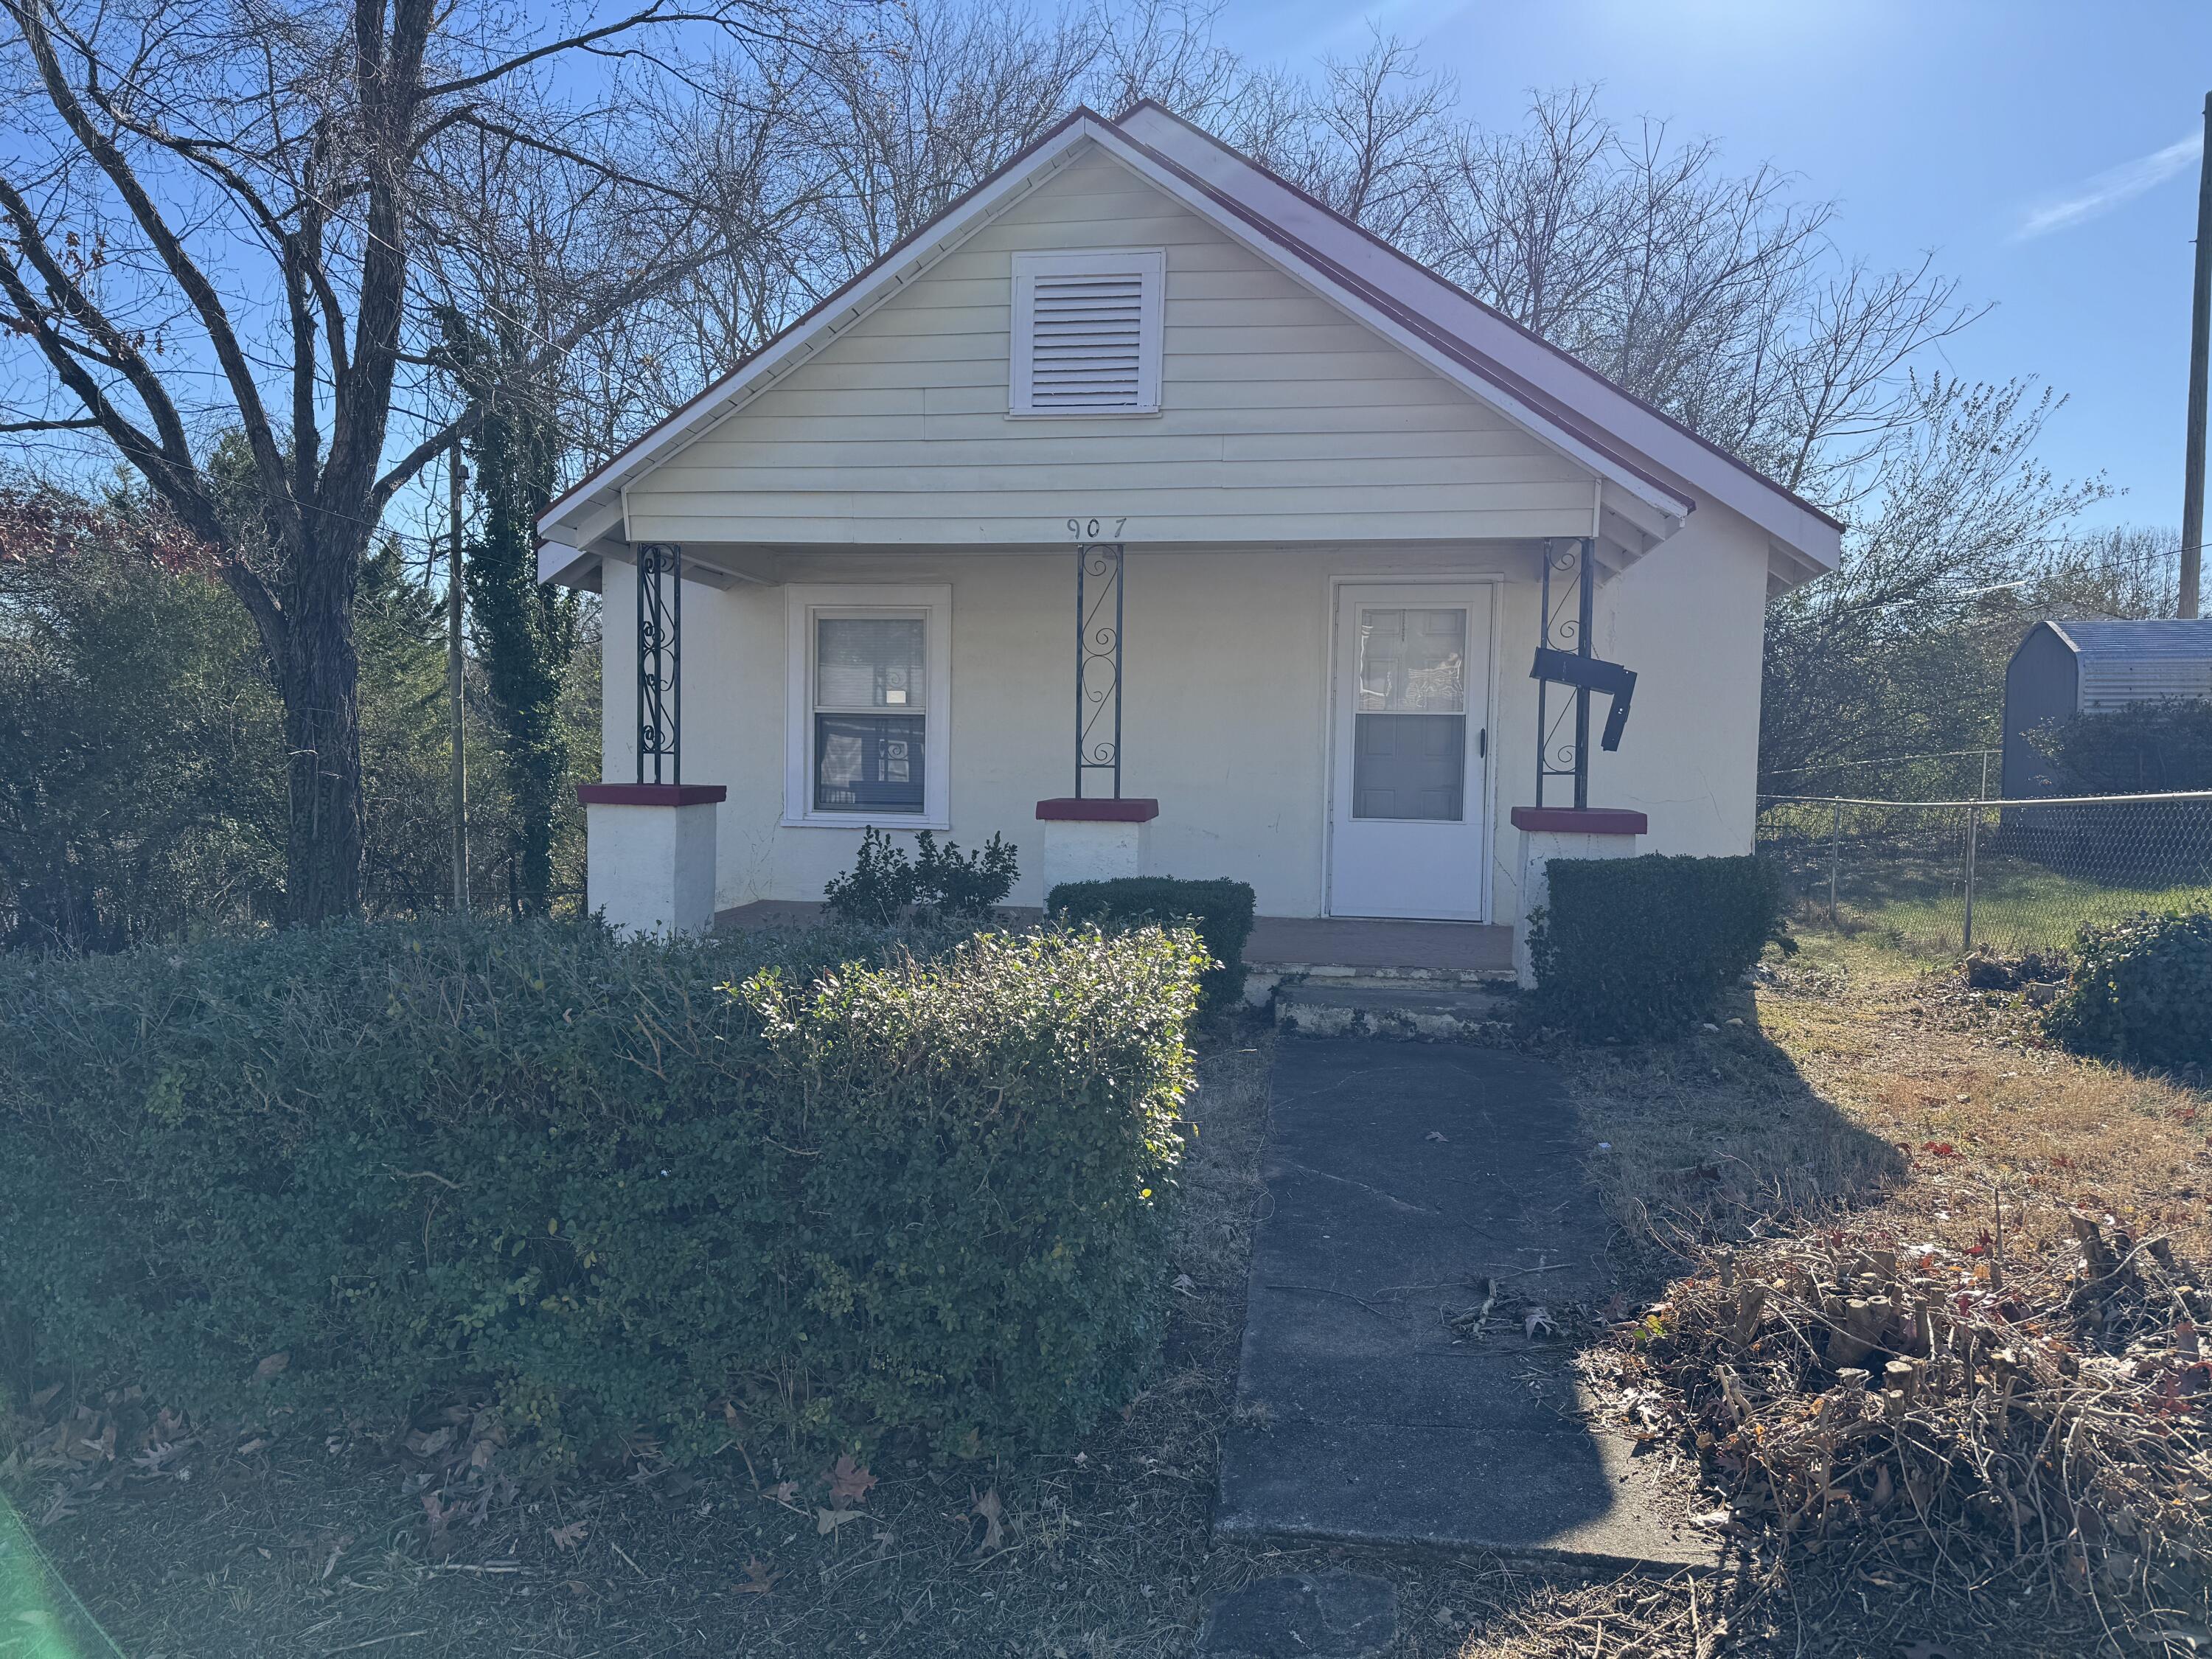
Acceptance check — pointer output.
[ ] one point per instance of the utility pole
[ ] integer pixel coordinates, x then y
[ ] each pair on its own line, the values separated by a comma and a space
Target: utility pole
2200, 350
456, 476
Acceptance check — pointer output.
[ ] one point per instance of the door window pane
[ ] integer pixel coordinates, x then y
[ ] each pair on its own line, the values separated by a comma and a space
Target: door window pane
869, 662
1409, 766
868, 763
1412, 661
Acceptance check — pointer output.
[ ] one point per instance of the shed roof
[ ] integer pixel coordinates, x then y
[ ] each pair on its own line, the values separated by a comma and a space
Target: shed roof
2161, 639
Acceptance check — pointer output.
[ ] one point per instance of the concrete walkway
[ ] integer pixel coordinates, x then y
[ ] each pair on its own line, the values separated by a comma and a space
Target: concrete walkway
1404, 1179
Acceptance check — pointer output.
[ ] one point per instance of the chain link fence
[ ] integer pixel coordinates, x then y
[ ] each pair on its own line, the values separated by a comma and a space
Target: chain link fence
1946, 877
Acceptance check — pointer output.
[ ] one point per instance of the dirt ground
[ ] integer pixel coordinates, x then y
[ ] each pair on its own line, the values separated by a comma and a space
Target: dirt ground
1854, 1086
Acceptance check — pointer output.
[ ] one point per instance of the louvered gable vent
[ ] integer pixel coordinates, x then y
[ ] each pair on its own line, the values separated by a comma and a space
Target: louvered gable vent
1087, 333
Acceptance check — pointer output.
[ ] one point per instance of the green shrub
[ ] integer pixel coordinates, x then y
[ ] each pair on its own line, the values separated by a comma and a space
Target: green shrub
882, 886
717, 1190
2138, 749
1220, 909
1642, 947
2140, 992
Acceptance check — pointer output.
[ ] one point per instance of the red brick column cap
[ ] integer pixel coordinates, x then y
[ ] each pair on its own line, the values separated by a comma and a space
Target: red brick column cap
1581, 820
1064, 810
651, 794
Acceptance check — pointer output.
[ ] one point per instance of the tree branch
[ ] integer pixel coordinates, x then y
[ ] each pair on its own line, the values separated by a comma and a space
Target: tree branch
261, 438
115, 349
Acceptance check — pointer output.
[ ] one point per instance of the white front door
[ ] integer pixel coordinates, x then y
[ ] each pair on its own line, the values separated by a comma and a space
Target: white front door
1409, 708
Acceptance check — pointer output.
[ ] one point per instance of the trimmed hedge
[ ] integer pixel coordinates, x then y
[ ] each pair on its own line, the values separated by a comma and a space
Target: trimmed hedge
719, 1191
1643, 947
1220, 909
2140, 992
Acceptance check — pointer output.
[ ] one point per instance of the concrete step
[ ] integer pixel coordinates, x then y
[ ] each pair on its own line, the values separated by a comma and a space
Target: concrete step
1409, 1012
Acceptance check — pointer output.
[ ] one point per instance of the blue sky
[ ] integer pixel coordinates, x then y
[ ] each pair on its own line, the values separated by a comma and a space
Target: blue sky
2044, 151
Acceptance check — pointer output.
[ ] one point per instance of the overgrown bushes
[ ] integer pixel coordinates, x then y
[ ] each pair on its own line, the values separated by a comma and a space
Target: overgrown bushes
1220, 909
1641, 947
717, 1191
940, 884
2140, 992
2138, 749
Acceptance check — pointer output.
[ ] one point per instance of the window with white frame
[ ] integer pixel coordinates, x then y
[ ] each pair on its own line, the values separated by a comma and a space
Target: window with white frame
868, 719
1087, 332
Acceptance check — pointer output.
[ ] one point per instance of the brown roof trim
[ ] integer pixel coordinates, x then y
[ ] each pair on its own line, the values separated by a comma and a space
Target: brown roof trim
1467, 356
1489, 368
1459, 350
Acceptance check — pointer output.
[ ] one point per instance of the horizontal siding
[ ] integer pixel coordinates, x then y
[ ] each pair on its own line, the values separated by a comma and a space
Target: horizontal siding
823, 524
2107, 684
1165, 479
1282, 418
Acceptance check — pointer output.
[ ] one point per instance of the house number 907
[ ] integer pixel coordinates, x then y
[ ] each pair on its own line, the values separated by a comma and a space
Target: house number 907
1090, 530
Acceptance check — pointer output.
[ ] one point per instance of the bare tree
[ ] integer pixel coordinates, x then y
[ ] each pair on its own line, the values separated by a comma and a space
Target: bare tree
1373, 141
1718, 296
1892, 653
2125, 572
814, 164
240, 216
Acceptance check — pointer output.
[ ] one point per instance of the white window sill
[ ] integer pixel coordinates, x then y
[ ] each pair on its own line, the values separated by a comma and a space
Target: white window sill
887, 822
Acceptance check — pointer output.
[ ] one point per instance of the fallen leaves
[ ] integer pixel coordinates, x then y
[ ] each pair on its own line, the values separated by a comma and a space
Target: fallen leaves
759, 1580
850, 1479
991, 1537
828, 1521
568, 1537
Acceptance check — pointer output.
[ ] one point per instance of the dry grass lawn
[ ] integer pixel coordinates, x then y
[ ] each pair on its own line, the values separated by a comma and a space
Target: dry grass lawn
1867, 1084
1855, 1087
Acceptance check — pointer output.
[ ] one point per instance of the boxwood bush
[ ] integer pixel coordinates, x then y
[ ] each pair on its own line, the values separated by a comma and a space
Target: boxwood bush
1643, 947
1220, 909
715, 1191
2140, 992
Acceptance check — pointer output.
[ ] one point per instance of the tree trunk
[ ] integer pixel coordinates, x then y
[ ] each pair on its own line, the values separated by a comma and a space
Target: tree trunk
319, 677
537, 790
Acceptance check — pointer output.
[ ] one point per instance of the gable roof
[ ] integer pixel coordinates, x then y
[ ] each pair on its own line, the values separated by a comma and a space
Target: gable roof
2157, 639
1660, 469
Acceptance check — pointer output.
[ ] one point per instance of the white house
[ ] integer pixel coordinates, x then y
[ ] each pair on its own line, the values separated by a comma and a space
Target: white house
1145, 511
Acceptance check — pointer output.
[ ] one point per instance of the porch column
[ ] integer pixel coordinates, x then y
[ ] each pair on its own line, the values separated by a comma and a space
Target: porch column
1564, 832
1095, 840
1568, 615
1097, 837
649, 845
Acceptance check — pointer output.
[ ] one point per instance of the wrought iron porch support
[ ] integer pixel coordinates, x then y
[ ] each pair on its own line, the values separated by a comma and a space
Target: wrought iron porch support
659, 662
1097, 666
1567, 623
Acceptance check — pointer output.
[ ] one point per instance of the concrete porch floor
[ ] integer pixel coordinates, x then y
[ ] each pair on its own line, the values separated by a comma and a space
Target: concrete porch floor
1290, 944
1280, 945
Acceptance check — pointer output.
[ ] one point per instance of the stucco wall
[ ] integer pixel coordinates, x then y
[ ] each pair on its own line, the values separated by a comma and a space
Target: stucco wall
1226, 716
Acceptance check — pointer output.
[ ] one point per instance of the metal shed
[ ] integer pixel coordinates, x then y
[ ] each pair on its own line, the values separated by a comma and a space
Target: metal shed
2062, 669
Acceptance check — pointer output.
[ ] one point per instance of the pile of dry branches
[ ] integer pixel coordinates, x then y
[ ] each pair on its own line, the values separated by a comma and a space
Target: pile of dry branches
1943, 1409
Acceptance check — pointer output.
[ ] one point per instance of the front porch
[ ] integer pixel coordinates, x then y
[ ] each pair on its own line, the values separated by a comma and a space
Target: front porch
1346, 950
